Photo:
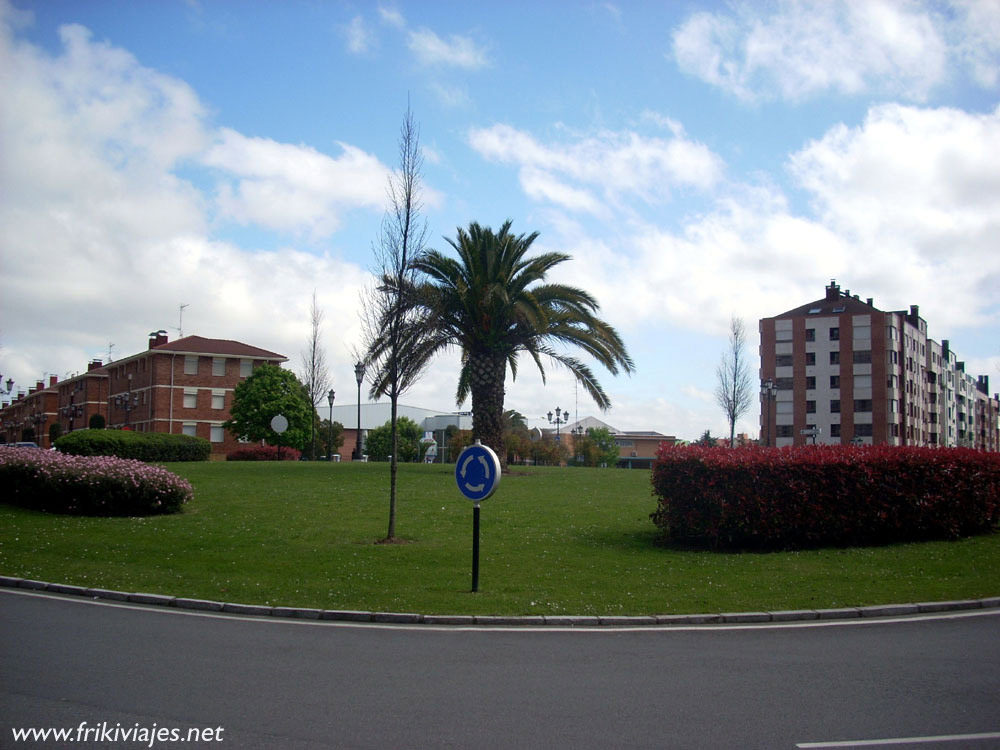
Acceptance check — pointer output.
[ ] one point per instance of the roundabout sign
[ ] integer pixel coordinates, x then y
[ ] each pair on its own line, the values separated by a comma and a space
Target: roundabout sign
477, 474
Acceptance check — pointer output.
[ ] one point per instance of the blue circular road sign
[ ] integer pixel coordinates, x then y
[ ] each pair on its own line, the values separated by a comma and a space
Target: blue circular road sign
477, 472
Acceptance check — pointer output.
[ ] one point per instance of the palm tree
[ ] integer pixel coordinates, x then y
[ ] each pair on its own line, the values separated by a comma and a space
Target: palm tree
492, 303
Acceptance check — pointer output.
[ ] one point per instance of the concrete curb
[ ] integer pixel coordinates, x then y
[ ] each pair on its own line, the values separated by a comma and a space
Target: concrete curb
485, 621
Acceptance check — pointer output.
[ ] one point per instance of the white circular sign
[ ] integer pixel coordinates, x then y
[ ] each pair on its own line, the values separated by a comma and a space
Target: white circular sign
279, 423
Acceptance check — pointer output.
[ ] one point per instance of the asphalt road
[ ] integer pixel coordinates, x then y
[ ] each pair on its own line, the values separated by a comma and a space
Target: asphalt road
277, 683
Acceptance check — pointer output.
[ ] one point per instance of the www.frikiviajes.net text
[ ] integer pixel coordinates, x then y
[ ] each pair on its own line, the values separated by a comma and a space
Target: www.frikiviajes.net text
104, 732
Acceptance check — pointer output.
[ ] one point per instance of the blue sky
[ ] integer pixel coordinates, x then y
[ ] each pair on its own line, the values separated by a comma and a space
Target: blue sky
697, 160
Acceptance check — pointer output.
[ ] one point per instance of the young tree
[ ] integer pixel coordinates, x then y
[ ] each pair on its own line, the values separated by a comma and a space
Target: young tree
267, 392
391, 324
315, 375
734, 391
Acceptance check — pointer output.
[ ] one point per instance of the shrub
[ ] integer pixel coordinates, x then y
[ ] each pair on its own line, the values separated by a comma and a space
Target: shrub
264, 453
143, 446
96, 422
89, 485
823, 495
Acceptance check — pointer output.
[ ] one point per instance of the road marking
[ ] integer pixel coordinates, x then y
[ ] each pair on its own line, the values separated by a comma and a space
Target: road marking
904, 740
487, 628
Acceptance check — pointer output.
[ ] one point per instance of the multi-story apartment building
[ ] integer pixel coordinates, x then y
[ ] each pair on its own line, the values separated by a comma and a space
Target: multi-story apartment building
185, 386
839, 370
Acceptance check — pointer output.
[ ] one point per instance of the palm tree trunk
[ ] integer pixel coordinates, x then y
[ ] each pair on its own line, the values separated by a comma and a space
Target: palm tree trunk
487, 373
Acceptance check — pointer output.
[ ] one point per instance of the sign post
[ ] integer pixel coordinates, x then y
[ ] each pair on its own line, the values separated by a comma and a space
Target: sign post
279, 423
477, 473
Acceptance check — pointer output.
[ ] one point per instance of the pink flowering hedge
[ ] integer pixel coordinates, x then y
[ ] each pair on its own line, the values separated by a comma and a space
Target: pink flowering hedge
823, 495
264, 453
89, 485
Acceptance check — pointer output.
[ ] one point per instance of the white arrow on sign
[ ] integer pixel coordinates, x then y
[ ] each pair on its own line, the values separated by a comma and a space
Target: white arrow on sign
486, 471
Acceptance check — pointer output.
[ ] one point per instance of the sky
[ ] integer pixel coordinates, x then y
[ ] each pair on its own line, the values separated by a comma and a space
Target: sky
698, 161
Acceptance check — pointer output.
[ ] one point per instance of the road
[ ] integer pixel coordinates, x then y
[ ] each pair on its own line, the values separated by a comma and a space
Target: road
278, 683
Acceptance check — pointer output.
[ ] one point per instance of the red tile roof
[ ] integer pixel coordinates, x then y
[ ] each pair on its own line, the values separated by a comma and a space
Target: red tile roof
226, 347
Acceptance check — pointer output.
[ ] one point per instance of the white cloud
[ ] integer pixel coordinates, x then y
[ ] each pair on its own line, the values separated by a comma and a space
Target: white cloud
293, 188
457, 51
359, 37
391, 16
798, 48
618, 164
102, 239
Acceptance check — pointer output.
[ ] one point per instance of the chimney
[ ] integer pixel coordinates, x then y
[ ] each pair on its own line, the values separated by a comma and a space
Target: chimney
95, 364
53, 379
39, 385
871, 302
914, 311
157, 338
833, 291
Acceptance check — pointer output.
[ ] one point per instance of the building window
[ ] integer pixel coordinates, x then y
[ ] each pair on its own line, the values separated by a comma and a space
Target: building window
784, 384
218, 399
217, 434
810, 358
835, 334
190, 365
810, 407
246, 368
784, 430
863, 357
834, 358
835, 381
218, 366
783, 360
862, 430
835, 430
190, 428
810, 382
835, 406
862, 404
190, 399
810, 334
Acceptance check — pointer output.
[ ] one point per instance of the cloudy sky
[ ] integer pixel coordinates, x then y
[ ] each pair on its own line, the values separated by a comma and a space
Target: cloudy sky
698, 161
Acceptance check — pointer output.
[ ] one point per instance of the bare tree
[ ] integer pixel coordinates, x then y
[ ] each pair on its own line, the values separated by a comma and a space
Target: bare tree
314, 374
391, 325
734, 391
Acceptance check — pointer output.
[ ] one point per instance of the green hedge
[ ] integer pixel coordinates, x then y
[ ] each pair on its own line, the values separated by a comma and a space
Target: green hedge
89, 485
142, 446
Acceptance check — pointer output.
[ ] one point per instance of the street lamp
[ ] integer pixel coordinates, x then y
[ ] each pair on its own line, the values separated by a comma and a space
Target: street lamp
769, 390
329, 447
359, 375
561, 419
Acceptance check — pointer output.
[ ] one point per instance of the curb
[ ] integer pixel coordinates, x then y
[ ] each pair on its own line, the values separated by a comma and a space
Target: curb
527, 621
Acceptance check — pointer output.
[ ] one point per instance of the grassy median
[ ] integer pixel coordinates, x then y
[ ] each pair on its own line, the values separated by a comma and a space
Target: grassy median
554, 541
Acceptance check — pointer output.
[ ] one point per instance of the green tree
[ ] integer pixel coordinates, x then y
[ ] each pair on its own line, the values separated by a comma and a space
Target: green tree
267, 392
379, 441
96, 422
597, 447
492, 304
707, 440
323, 437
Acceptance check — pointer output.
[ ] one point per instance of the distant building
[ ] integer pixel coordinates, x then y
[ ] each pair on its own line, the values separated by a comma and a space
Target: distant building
376, 414
182, 387
636, 448
839, 370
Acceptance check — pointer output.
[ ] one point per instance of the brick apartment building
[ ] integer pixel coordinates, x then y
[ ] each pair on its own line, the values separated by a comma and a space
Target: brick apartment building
853, 373
185, 386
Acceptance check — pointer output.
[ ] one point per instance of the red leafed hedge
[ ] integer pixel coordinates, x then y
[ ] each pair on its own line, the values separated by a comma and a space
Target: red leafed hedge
263, 453
779, 498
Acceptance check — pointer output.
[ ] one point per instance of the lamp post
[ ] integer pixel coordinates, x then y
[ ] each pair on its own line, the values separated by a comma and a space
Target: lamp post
359, 375
561, 419
127, 401
329, 446
768, 390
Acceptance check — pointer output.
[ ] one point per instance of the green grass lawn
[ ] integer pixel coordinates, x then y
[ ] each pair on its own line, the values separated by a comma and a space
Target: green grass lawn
554, 541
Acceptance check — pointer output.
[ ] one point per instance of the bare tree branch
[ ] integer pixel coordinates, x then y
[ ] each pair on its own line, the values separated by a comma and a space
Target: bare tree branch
734, 391
315, 374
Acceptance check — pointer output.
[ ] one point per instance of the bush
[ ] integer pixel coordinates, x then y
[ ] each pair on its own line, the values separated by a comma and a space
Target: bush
142, 446
823, 495
97, 422
264, 453
89, 485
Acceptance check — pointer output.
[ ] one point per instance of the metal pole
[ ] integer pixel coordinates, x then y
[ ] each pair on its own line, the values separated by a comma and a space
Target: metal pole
475, 547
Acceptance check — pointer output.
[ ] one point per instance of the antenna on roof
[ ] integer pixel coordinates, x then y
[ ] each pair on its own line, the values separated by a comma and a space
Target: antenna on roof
180, 322
110, 347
